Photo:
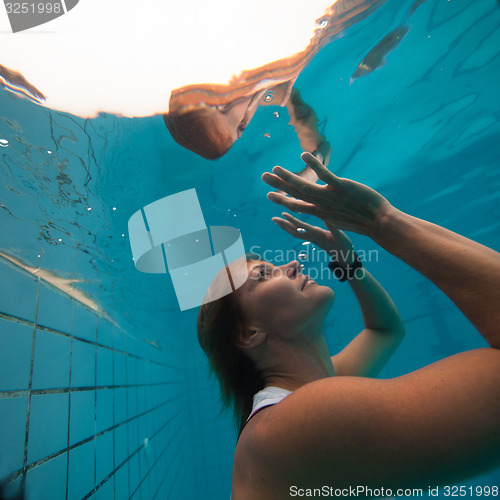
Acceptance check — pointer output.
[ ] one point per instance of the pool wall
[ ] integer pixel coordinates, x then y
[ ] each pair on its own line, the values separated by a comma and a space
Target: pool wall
86, 411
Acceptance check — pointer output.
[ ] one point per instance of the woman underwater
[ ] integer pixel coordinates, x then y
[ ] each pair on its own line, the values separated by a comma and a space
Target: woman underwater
434, 426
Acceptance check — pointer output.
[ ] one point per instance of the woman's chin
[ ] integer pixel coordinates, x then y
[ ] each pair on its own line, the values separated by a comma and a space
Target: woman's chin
326, 296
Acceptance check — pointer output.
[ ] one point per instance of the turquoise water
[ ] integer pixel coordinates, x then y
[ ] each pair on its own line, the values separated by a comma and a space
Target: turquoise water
423, 130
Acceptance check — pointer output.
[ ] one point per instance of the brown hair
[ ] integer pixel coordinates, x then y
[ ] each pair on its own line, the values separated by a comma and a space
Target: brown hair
197, 130
219, 323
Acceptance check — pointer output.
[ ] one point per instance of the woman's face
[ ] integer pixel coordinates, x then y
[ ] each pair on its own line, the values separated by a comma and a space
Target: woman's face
281, 298
234, 117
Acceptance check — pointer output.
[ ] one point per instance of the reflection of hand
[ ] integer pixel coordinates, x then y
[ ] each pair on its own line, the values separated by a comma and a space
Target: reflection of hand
323, 153
342, 203
334, 242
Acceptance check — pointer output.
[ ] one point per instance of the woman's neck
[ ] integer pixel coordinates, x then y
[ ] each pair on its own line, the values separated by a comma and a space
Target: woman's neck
293, 363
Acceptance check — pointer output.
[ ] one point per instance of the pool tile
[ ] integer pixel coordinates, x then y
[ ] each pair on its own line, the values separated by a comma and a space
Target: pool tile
19, 297
51, 362
48, 428
81, 471
16, 342
121, 444
48, 480
82, 415
12, 433
84, 323
55, 310
104, 409
104, 456
104, 367
83, 364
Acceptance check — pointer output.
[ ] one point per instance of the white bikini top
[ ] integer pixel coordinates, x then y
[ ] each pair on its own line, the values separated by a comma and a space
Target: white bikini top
267, 397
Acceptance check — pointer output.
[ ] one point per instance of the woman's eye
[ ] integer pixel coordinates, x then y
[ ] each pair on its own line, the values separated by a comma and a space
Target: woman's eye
242, 126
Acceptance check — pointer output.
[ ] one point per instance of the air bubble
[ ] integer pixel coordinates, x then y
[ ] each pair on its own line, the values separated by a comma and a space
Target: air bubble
306, 243
4, 143
302, 256
89, 209
114, 208
49, 152
301, 230
276, 114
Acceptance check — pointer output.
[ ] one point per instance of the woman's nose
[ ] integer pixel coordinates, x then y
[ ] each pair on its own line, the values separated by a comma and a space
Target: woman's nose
292, 268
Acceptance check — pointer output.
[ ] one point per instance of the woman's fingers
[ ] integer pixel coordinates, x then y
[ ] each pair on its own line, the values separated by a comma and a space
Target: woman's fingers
287, 226
300, 229
322, 172
306, 188
292, 203
332, 227
298, 224
278, 183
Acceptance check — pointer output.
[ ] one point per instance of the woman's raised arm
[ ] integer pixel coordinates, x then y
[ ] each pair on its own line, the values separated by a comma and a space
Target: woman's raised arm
468, 272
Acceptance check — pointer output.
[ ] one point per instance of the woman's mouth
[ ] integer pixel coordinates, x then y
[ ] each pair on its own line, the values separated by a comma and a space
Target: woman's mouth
307, 282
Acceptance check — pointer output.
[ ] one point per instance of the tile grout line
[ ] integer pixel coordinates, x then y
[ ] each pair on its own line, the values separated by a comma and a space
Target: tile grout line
30, 385
63, 390
180, 462
147, 454
128, 426
159, 457
127, 460
69, 395
16, 474
137, 422
166, 470
113, 379
95, 405
21, 321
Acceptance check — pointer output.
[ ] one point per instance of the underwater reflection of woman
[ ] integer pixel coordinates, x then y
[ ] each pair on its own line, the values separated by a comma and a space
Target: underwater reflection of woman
211, 130
328, 422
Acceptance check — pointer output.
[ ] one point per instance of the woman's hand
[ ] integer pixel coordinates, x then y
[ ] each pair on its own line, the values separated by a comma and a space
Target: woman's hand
335, 242
343, 203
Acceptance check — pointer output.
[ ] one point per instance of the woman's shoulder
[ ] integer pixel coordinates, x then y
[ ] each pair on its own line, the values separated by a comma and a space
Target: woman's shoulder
350, 430
309, 417
278, 441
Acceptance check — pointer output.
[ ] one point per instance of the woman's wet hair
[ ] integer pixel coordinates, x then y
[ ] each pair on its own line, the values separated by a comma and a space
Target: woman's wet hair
199, 131
219, 325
